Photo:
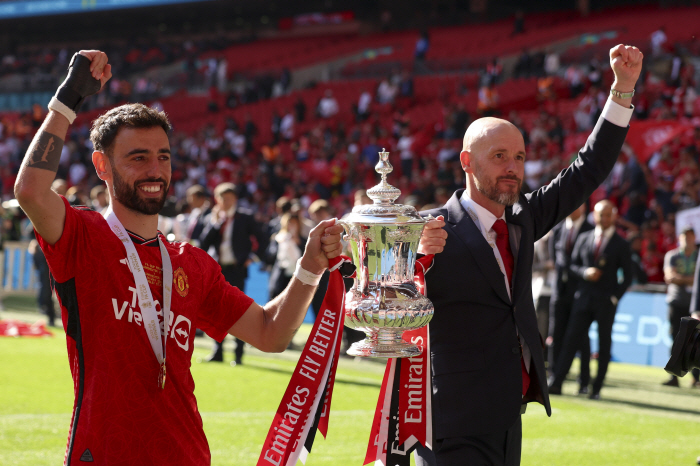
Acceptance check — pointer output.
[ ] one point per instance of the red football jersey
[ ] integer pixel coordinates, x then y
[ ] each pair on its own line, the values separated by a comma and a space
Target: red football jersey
120, 415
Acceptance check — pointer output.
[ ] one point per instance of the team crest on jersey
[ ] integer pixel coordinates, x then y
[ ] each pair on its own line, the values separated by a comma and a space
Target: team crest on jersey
180, 281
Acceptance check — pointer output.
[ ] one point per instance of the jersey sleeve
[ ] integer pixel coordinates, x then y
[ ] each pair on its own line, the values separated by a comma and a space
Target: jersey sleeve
63, 255
223, 303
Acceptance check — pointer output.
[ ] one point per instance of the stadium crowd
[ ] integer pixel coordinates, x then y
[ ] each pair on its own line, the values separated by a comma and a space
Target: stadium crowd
334, 159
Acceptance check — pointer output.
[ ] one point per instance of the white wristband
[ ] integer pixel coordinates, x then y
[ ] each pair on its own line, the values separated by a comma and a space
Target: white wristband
306, 277
58, 106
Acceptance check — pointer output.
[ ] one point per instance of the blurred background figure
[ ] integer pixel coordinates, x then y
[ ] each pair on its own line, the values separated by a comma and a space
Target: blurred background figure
561, 246
227, 236
596, 258
45, 292
679, 274
99, 198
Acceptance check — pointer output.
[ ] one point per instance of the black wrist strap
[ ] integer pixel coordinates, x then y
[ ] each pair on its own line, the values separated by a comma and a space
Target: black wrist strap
79, 83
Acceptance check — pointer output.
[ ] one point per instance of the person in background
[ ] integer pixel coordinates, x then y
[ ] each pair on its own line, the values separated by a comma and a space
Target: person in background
596, 259
228, 234
319, 211
44, 295
290, 245
99, 198
564, 237
200, 207
679, 275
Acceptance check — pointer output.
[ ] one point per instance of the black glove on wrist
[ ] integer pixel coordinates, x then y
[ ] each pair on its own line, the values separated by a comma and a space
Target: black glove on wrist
79, 83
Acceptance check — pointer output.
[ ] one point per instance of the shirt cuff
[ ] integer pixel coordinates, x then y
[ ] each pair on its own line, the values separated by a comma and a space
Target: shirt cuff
617, 114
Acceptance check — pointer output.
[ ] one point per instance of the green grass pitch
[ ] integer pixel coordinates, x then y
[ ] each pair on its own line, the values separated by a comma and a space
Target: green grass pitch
638, 421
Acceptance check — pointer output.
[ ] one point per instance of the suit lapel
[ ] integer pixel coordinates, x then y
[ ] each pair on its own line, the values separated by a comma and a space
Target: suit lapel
466, 230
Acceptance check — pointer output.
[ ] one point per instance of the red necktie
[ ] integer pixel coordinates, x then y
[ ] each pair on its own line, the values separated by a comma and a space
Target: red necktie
570, 241
598, 242
503, 245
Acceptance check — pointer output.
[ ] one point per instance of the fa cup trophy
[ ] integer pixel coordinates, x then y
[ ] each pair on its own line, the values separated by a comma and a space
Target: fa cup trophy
384, 301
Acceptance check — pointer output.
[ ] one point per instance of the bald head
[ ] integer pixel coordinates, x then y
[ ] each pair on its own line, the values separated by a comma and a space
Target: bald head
605, 214
485, 130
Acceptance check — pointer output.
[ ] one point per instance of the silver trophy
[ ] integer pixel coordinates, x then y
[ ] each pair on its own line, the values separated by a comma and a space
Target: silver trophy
384, 301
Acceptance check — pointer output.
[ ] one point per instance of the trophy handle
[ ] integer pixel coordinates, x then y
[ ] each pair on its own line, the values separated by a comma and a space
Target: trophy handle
346, 227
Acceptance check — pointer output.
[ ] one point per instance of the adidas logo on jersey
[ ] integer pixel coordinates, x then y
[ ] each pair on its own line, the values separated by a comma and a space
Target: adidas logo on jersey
86, 456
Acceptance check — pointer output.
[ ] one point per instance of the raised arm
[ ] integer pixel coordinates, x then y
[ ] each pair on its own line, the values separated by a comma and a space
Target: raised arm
271, 328
87, 73
553, 202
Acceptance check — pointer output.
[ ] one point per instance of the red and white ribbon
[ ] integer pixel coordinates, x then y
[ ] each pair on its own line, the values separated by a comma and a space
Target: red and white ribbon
403, 418
306, 404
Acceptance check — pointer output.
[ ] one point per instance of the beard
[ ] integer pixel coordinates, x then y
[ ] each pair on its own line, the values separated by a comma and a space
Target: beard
490, 189
129, 196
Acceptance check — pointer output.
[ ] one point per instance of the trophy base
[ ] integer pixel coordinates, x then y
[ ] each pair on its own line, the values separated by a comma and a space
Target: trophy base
384, 343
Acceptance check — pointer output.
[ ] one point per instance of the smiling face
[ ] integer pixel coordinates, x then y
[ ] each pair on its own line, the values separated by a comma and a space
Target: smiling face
140, 169
493, 157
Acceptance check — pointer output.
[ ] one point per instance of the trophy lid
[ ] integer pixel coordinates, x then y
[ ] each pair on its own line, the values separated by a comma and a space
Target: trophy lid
384, 210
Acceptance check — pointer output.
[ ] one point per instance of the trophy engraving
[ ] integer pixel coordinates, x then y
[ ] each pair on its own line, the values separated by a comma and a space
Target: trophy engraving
384, 300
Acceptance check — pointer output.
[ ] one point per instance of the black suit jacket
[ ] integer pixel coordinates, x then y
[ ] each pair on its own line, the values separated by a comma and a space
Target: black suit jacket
475, 352
245, 227
565, 281
616, 255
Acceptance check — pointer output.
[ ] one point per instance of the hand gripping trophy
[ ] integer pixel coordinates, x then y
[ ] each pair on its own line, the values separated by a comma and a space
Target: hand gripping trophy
384, 300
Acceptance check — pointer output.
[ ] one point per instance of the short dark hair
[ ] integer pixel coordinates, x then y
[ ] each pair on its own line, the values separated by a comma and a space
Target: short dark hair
106, 127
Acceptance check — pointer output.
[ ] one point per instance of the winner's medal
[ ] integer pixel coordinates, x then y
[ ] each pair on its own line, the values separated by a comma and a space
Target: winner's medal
161, 376
145, 297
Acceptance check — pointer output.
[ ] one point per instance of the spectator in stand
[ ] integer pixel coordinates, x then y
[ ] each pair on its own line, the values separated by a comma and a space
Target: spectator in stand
287, 126
551, 63
363, 105
327, 106
523, 67
406, 153
684, 100
405, 85
422, 46
574, 76
250, 130
493, 72
679, 273
300, 110
658, 41
487, 104
386, 91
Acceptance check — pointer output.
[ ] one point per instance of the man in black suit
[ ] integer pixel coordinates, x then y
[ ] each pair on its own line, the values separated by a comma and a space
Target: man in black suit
486, 350
200, 208
597, 257
561, 246
228, 231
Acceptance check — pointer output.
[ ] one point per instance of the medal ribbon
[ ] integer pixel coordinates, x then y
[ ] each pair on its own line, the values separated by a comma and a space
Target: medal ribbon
306, 404
403, 417
145, 297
